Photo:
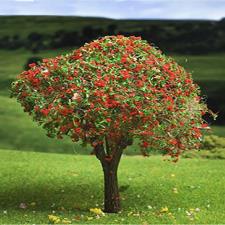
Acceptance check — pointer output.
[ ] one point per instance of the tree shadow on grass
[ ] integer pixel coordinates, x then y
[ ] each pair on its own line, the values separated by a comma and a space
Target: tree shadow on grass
52, 197
79, 197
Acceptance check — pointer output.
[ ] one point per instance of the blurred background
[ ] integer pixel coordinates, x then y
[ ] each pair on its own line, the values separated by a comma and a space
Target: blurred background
193, 32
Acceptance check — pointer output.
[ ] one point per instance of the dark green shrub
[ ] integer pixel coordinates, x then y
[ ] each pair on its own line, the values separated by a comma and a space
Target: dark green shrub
215, 153
213, 141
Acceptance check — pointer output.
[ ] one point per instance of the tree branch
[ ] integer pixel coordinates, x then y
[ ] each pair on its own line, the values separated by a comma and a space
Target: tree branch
107, 146
99, 152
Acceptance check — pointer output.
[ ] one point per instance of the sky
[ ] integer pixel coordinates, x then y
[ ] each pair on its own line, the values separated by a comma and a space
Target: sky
118, 9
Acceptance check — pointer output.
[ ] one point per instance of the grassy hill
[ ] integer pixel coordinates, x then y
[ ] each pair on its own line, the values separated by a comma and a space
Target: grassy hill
23, 25
12, 25
68, 186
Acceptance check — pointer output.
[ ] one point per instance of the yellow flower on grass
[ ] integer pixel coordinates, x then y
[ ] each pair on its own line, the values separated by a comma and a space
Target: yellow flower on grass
66, 221
164, 209
90, 218
54, 219
97, 211
130, 213
171, 215
33, 203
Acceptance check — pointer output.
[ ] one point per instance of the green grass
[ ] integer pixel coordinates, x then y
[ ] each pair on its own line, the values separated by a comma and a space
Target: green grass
12, 64
18, 131
204, 67
70, 185
219, 130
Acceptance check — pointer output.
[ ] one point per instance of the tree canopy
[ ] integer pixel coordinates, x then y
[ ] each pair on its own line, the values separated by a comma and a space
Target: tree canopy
116, 87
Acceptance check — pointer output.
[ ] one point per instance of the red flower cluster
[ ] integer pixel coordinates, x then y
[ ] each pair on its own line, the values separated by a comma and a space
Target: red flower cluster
113, 87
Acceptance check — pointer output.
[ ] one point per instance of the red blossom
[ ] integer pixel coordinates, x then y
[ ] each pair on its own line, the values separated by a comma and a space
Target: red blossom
115, 86
65, 111
125, 74
138, 68
100, 83
124, 59
170, 108
140, 83
45, 112
31, 65
145, 144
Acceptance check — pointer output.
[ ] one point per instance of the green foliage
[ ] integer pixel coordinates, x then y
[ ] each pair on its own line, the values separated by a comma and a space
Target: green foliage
115, 88
213, 147
213, 141
199, 65
19, 132
215, 153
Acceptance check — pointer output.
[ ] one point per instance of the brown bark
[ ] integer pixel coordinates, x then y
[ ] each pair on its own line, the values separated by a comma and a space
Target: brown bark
110, 166
111, 190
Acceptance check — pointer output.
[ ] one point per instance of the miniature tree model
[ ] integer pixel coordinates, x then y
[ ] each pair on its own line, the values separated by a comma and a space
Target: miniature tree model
109, 92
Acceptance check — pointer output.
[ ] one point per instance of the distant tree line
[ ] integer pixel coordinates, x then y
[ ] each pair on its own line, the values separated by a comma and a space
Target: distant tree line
185, 37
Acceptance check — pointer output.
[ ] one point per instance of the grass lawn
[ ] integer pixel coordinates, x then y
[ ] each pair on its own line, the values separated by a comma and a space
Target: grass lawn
204, 67
18, 131
69, 185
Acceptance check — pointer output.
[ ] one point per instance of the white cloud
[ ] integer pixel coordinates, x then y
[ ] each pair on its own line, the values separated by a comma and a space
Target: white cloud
118, 9
152, 9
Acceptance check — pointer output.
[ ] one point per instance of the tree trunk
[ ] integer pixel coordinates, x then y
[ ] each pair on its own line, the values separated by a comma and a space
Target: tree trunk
110, 162
111, 190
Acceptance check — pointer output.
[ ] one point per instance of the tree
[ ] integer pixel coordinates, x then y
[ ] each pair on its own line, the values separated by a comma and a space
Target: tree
33, 59
108, 93
35, 41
